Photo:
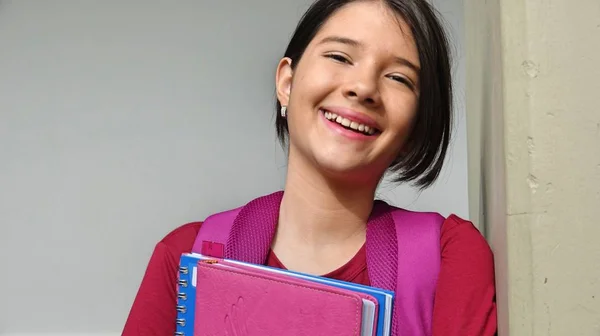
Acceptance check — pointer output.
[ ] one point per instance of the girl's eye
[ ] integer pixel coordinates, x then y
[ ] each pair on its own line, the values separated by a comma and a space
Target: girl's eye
402, 80
338, 58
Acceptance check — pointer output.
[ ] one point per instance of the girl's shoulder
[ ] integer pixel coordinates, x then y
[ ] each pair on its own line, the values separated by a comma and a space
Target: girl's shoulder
462, 243
181, 239
458, 229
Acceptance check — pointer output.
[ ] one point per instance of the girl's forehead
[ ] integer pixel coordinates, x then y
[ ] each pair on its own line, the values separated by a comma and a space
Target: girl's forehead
367, 19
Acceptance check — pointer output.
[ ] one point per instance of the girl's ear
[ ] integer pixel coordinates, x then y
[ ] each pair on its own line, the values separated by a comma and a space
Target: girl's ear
283, 80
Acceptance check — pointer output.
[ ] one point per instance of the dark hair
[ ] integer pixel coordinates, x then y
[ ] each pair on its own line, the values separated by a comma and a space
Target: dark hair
430, 136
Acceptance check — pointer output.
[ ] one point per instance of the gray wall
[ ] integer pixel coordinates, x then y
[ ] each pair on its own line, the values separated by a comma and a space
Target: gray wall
121, 120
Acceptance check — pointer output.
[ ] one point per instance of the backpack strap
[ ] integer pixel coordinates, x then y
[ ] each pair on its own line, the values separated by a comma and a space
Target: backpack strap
405, 257
243, 234
419, 259
214, 232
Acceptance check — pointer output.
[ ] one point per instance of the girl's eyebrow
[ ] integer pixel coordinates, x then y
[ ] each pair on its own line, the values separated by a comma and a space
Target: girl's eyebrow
407, 63
342, 40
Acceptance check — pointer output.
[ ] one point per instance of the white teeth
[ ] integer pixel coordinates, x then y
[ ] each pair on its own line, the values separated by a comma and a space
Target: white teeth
348, 123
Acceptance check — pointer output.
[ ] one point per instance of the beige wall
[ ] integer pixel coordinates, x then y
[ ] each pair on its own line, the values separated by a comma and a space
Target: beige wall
533, 103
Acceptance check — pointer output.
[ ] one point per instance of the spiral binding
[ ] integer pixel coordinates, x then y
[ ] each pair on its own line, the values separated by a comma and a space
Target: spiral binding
181, 301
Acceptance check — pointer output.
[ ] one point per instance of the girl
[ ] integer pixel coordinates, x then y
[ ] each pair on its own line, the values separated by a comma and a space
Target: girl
364, 87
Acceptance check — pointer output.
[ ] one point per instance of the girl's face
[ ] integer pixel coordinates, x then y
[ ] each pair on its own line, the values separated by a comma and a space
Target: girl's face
353, 96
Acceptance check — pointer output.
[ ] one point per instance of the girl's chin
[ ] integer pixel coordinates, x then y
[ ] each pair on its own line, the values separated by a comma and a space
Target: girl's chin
349, 171
337, 161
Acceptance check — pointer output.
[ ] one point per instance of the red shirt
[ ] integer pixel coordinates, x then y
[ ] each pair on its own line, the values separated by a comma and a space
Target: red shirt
464, 302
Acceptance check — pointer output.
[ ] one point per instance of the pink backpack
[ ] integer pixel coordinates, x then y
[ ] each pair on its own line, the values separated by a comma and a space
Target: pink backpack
403, 252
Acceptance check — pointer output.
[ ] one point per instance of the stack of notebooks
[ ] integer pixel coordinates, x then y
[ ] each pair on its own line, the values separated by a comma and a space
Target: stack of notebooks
227, 297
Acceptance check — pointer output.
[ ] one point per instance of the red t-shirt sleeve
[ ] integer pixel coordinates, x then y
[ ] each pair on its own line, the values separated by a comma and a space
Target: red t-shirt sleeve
154, 309
465, 298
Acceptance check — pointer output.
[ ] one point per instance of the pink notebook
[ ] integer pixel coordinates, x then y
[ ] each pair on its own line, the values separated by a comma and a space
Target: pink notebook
233, 300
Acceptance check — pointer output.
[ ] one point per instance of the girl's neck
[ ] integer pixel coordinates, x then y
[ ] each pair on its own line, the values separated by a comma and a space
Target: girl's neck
317, 212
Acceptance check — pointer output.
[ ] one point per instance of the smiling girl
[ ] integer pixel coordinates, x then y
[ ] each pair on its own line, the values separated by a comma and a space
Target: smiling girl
364, 88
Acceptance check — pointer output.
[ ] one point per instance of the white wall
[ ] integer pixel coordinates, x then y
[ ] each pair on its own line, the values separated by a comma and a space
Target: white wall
121, 120
486, 134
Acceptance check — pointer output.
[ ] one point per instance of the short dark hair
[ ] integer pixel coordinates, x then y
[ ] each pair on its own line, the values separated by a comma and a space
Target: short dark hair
430, 136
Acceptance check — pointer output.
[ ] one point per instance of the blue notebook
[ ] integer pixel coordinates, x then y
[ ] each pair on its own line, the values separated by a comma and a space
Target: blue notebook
187, 293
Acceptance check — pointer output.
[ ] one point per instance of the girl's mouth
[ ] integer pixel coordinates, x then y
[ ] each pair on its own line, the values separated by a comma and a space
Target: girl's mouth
349, 124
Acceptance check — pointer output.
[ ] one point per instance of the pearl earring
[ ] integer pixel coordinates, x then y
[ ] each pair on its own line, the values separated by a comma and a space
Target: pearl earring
284, 111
